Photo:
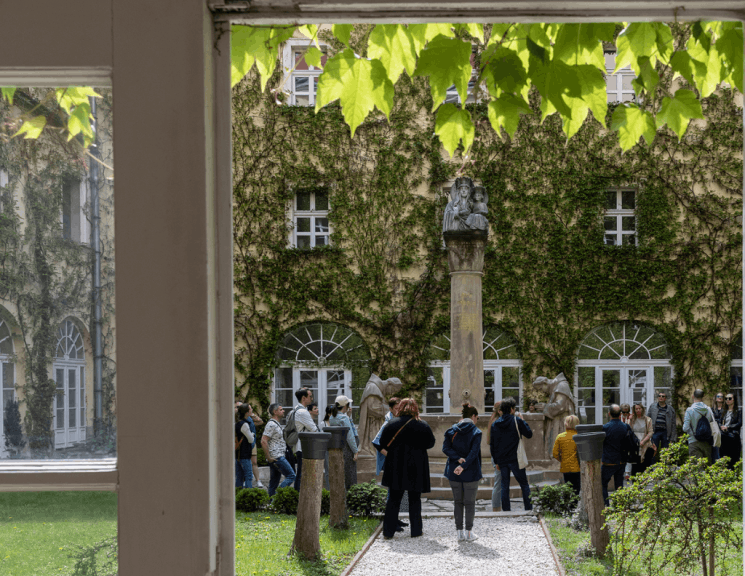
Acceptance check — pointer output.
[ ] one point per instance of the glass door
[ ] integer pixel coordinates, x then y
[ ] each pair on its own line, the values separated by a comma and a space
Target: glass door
501, 382
69, 407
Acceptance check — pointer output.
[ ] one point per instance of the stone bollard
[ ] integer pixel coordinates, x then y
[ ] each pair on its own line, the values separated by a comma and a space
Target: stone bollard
589, 440
307, 529
338, 511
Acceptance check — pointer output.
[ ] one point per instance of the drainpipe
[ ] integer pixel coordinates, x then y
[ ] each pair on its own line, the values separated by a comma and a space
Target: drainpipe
96, 247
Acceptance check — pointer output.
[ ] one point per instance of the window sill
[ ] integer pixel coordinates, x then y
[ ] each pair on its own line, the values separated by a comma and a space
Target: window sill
53, 475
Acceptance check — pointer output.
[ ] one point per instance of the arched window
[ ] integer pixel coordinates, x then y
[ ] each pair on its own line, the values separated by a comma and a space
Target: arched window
318, 356
501, 371
620, 363
7, 375
735, 369
69, 373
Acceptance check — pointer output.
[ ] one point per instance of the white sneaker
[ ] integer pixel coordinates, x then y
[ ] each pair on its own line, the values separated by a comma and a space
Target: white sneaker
471, 535
260, 485
461, 535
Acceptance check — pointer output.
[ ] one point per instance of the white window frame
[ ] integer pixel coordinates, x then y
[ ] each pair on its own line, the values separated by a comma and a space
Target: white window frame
618, 213
320, 392
79, 200
288, 63
614, 82
736, 363
67, 435
312, 215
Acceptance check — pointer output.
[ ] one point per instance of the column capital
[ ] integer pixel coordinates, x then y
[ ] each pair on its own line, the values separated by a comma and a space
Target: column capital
465, 250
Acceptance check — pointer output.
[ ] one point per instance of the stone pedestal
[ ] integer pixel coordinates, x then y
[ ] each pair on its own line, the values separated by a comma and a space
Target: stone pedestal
466, 263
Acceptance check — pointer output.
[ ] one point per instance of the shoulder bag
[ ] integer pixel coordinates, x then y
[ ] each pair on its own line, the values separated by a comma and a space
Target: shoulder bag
397, 432
522, 458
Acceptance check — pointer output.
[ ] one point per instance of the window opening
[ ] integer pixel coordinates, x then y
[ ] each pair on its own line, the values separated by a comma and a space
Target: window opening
735, 370
303, 81
618, 86
311, 219
620, 217
69, 374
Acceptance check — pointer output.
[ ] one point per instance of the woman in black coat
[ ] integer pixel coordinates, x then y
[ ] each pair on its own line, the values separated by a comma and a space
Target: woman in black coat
405, 442
731, 422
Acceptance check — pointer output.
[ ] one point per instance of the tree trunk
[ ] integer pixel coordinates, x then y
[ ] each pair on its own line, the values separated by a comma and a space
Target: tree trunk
307, 528
711, 542
593, 488
338, 511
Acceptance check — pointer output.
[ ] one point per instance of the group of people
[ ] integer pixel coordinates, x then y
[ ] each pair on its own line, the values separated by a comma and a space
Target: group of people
287, 461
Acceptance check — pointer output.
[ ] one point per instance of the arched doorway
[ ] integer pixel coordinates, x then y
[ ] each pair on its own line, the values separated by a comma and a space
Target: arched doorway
69, 373
620, 363
7, 376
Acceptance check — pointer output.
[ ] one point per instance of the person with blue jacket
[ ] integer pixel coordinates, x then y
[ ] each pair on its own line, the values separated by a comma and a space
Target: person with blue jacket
462, 446
505, 437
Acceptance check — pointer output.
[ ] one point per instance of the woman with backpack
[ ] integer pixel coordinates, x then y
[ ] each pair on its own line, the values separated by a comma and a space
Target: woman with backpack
462, 446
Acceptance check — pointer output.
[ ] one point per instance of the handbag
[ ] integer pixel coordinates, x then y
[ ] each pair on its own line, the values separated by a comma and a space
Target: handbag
522, 458
716, 432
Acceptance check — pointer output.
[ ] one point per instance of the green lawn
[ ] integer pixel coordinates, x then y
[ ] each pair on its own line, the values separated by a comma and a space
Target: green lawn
262, 541
39, 529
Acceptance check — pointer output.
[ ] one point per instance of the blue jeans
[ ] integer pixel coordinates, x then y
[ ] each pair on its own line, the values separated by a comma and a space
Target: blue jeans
278, 468
660, 440
496, 493
521, 478
614, 471
244, 474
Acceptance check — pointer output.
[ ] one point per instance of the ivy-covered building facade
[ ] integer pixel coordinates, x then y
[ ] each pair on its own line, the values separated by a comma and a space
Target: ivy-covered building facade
621, 270
56, 229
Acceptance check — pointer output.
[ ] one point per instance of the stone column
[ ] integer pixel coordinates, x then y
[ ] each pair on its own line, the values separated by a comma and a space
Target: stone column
466, 262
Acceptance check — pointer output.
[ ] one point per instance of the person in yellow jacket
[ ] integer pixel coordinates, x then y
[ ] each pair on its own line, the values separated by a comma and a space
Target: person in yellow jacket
565, 451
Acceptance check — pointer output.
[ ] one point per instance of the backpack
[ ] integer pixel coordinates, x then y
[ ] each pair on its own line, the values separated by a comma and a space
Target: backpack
290, 433
703, 430
630, 447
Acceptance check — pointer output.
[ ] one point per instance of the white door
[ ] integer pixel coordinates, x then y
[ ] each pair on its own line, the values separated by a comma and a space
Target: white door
611, 385
501, 382
325, 383
69, 409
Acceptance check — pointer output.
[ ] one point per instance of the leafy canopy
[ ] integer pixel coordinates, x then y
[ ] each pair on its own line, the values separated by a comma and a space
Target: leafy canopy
565, 63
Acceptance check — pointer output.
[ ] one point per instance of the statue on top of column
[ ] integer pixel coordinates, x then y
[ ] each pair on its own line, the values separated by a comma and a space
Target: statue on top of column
560, 405
467, 209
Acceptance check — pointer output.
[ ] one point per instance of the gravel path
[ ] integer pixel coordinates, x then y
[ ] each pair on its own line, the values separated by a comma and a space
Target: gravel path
513, 546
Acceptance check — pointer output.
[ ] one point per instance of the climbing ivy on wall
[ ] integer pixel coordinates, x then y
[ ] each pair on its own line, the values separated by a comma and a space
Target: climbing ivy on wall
548, 277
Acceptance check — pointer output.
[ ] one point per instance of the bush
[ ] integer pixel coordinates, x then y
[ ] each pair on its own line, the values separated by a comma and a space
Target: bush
250, 499
98, 559
325, 501
12, 429
366, 499
558, 499
285, 501
261, 458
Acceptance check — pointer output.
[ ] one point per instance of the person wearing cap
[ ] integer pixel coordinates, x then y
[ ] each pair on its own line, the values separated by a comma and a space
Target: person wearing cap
339, 417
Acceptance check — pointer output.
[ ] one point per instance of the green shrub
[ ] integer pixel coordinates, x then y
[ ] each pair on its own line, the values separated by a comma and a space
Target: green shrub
559, 499
98, 559
250, 499
12, 429
325, 501
261, 458
285, 501
366, 499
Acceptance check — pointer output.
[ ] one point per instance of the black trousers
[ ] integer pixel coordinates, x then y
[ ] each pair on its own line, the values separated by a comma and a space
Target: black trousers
390, 520
575, 479
644, 464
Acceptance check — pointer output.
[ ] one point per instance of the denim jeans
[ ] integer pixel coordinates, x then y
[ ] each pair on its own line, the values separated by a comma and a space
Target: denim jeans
298, 469
243, 474
278, 468
660, 440
521, 478
496, 493
614, 471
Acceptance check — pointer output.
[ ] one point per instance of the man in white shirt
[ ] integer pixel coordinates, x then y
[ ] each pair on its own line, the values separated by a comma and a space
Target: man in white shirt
303, 423
273, 444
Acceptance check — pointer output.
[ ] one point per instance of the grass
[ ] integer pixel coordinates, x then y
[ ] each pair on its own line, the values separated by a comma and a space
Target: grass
38, 530
572, 546
262, 541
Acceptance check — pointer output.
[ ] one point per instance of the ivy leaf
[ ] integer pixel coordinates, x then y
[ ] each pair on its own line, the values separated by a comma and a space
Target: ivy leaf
310, 31
578, 44
631, 123
74, 96
255, 44
555, 81
423, 33
729, 45
358, 83
343, 32
502, 69
505, 113
709, 73
647, 79
537, 33
685, 66
446, 61
475, 30
32, 128
8, 92
393, 45
594, 97
313, 57
454, 125
651, 39
678, 111
80, 121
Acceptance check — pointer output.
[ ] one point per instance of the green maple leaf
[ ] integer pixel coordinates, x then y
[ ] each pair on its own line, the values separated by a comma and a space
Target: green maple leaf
313, 57
648, 77
505, 113
343, 32
74, 96
255, 44
446, 61
80, 121
393, 45
555, 81
730, 45
359, 84
651, 39
685, 66
502, 69
580, 44
454, 125
594, 97
8, 92
475, 30
310, 31
631, 123
423, 33
32, 128
708, 73
678, 111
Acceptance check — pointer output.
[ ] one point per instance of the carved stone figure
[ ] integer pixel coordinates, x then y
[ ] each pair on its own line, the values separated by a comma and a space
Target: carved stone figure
559, 406
373, 408
467, 208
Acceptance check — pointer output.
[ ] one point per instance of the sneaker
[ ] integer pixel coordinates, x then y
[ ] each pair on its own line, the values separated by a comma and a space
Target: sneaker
260, 485
471, 535
461, 535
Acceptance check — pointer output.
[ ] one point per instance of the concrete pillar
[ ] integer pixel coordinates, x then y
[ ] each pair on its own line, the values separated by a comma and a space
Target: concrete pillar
466, 262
